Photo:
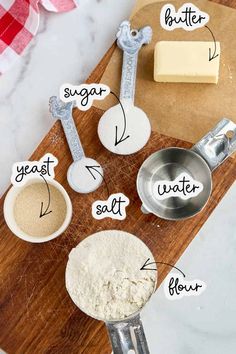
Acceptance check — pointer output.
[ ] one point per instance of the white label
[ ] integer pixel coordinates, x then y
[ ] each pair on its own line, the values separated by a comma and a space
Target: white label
184, 187
113, 207
176, 287
84, 94
188, 17
24, 170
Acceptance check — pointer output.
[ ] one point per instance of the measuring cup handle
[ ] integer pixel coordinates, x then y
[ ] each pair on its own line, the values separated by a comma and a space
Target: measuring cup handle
216, 146
128, 336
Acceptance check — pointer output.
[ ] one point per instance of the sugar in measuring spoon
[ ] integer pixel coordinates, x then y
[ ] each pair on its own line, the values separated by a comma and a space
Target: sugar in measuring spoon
79, 176
126, 131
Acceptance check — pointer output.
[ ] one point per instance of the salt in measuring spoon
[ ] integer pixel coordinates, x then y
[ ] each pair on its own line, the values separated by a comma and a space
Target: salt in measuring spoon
79, 176
119, 134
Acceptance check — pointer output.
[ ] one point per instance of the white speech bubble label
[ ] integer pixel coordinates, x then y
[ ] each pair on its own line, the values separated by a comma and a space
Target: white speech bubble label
25, 170
184, 187
176, 287
114, 207
188, 17
84, 94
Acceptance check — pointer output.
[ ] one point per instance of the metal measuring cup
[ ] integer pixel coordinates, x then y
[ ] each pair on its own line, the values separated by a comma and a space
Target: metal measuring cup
126, 334
199, 162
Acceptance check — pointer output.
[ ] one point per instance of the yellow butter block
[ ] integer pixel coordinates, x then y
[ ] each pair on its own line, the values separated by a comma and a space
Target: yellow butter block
183, 61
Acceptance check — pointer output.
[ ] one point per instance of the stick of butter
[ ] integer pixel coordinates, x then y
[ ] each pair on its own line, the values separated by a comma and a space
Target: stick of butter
181, 61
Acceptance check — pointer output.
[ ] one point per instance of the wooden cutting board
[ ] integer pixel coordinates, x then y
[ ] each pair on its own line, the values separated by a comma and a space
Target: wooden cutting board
36, 313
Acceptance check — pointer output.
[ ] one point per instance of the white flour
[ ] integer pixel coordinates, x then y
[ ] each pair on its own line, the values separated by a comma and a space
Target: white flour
103, 275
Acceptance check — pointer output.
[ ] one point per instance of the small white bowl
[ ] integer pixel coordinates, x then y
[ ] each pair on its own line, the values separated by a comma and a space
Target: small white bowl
8, 211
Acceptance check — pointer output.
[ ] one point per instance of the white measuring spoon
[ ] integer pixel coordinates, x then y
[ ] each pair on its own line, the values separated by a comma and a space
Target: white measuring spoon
119, 134
84, 175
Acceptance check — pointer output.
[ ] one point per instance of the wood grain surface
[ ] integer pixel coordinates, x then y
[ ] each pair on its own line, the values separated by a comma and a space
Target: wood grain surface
36, 313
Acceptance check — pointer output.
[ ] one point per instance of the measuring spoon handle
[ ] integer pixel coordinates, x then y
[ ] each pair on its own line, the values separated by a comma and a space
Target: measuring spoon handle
130, 41
63, 111
128, 77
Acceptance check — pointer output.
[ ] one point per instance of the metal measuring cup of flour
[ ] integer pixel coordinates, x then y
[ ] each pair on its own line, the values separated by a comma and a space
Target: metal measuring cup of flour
126, 333
125, 130
79, 176
199, 162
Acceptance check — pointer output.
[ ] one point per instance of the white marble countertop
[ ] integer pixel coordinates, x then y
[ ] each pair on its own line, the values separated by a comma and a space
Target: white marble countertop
203, 324
66, 49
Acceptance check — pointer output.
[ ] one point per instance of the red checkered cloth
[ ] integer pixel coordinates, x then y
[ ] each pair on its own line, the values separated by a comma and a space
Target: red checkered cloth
19, 21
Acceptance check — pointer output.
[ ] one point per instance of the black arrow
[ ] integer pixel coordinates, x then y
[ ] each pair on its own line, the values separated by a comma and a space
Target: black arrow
211, 57
146, 264
46, 212
93, 170
122, 138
